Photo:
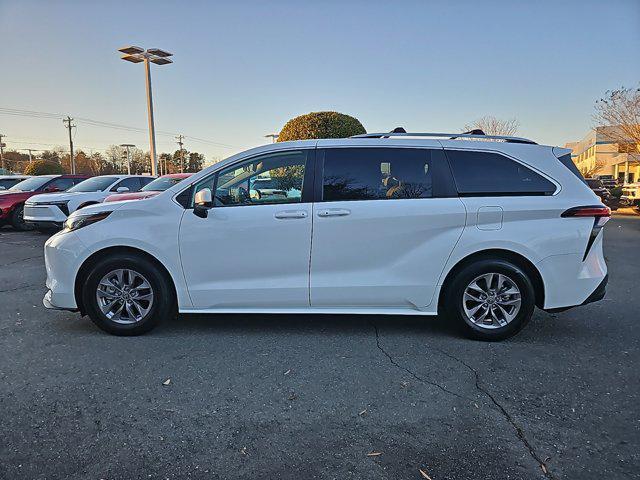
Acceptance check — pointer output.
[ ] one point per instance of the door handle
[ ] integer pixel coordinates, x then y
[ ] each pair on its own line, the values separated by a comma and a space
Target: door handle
291, 214
334, 212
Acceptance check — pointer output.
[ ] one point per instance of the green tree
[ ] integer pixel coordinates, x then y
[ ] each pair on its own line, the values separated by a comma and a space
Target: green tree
321, 125
43, 167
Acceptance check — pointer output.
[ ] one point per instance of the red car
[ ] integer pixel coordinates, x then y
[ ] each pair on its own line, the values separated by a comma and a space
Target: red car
152, 189
12, 200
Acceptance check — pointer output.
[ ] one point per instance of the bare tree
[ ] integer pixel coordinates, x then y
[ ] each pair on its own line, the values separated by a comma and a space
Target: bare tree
494, 126
621, 109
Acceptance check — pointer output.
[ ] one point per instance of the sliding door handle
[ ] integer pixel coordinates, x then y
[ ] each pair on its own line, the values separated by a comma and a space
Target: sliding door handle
333, 212
291, 214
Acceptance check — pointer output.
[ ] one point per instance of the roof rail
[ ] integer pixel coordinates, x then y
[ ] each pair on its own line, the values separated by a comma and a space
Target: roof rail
399, 132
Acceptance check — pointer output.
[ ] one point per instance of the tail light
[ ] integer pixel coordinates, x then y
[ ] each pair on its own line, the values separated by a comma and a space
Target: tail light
600, 214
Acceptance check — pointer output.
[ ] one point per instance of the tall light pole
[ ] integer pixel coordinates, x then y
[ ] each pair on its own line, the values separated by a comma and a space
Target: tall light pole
135, 54
127, 146
272, 136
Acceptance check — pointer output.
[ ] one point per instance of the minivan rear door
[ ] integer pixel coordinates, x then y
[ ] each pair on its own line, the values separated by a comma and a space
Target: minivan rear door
386, 219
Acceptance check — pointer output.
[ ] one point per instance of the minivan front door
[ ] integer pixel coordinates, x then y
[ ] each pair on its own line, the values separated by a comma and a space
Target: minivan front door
252, 250
386, 224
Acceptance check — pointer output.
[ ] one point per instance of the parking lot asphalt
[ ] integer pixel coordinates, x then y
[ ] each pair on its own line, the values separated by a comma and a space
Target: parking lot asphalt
321, 396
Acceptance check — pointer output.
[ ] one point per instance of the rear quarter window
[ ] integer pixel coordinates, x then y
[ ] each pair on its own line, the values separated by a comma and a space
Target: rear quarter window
492, 174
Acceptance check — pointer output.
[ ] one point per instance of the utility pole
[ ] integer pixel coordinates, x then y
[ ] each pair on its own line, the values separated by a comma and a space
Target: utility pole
1, 151
127, 146
180, 142
69, 125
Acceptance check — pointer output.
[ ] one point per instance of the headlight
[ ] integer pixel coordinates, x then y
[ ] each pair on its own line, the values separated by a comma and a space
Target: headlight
74, 222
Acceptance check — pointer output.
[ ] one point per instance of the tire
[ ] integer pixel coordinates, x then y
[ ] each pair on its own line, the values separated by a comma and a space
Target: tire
505, 320
17, 219
161, 308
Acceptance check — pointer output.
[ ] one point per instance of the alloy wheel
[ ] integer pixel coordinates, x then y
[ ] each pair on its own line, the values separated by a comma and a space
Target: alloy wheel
124, 296
491, 300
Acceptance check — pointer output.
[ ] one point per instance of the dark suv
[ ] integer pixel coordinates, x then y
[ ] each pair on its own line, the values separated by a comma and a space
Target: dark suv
12, 200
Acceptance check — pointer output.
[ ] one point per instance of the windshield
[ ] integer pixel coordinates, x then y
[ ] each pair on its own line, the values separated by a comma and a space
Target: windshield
30, 184
593, 183
161, 184
95, 184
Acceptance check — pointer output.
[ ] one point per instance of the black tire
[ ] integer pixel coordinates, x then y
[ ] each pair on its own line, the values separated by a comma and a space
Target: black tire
454, 294
17, 219
163, 307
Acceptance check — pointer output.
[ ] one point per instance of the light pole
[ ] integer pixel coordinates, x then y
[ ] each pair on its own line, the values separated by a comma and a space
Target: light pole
272, 136
127, 146
135, 54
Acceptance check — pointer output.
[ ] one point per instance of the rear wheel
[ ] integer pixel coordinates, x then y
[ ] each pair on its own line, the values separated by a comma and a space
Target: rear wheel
17, 219
490, 300
126, 294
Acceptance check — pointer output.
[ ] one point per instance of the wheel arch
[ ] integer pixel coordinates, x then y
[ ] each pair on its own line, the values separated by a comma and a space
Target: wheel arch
101, 254
498, 254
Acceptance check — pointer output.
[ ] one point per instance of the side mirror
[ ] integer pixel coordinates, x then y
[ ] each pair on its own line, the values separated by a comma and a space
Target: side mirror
203, 202
122, 189
51, 189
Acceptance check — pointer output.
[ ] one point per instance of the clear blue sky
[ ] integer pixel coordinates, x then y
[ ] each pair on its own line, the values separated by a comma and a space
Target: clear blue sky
242, 69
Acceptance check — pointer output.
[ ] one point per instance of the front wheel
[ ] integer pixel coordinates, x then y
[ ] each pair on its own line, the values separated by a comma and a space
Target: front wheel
17, 219
490, 300
127, 294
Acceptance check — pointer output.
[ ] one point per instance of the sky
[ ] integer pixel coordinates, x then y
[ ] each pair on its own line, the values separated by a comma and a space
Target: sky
243, 68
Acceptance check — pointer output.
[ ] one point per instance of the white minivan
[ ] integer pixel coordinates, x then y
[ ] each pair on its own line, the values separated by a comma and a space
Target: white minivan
420, 224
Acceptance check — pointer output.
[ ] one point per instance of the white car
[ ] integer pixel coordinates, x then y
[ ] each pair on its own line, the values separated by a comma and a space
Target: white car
419, 224
50, 210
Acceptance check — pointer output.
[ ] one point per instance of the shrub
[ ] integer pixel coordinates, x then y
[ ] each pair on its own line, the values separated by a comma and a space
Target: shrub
43, 167
321, 125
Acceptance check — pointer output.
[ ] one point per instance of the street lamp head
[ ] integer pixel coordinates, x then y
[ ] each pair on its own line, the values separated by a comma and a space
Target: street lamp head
159, 53
133, 58
160, 60
131, 49
127, 145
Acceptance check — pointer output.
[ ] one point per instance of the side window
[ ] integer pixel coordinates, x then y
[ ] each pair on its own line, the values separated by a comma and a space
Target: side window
268, 179
61, 184
144, 181
492, 174
133, 184
77, 180
382, 173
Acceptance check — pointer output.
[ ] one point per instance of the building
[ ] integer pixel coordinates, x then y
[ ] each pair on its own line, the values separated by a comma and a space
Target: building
601, 153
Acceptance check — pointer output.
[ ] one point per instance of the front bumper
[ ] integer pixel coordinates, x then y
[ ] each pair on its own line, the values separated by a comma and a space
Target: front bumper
44, 215
63, 256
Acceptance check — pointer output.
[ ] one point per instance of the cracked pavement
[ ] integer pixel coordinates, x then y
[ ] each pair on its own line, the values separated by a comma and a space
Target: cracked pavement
290, 396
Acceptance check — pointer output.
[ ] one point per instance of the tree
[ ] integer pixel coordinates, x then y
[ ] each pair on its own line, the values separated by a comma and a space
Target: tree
43, 167
491, 125
321, 125
620, 108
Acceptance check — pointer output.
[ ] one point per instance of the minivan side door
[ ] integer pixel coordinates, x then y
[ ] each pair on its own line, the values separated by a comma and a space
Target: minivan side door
386, 221
252, 250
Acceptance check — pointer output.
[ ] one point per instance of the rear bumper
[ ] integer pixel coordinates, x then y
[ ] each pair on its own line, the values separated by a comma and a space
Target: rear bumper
599, 293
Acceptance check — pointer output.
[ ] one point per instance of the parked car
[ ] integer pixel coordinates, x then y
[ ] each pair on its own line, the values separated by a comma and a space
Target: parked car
50, 211
12, 200
8, 181
603, 193
609, 181
479, 231
152, 189
630, 195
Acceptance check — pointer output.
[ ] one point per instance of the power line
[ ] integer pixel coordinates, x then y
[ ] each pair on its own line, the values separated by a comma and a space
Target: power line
98, 123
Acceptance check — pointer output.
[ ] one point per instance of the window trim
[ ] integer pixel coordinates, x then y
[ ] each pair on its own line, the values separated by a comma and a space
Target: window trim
501, 194
307, 181
448, 191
